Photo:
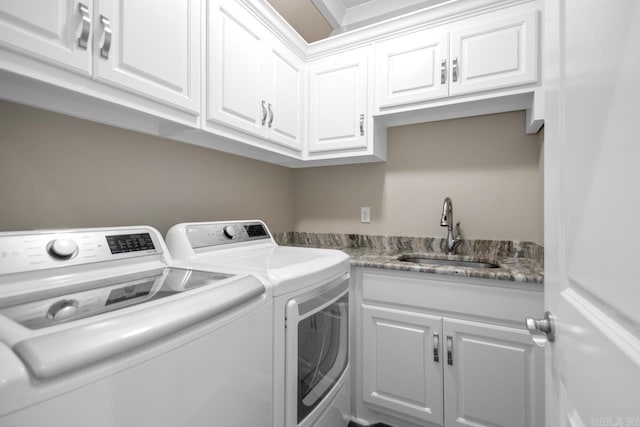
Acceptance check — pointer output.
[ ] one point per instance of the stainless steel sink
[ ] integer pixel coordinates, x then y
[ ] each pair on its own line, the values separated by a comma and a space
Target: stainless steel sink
426, 260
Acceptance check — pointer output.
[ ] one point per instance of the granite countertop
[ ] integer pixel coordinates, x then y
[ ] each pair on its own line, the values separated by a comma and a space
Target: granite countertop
518, 261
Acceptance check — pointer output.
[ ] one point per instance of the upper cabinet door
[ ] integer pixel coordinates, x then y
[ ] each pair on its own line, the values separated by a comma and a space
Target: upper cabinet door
55, 31
152, 48
494, 51
338, 87
285, 97
236, 68
412, 68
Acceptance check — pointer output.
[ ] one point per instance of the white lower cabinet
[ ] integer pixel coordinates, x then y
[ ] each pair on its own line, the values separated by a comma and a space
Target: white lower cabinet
421, 365
493, 376
414, 386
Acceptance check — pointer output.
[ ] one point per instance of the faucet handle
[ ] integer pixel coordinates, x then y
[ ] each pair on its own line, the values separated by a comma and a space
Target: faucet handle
458, 233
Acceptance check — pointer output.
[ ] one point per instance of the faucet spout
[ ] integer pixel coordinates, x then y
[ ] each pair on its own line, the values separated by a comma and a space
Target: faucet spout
447, 214
446, 220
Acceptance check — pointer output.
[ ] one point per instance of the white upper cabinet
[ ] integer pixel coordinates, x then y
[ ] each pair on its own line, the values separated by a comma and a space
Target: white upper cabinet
255, 83
236, 69
285, 97
54, 31
412, 68
338, 113
494, 51
151, 48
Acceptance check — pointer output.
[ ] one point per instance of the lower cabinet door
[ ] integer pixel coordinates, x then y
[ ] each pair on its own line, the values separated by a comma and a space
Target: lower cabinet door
401, 370
493, 376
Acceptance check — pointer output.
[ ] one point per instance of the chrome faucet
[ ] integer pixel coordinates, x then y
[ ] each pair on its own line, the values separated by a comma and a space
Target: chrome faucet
447, 221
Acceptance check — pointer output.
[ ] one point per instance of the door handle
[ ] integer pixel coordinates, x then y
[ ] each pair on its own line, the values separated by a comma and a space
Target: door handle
106, 45
541, 330
449, 350
454, 70
443, 71
361, 124
436, 347
271, 115
264, 112
86, 26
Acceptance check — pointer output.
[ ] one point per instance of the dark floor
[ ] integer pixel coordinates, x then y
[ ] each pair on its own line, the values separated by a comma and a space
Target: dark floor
354, 424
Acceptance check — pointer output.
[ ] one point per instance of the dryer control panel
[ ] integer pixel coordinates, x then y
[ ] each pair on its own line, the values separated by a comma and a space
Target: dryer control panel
215, 234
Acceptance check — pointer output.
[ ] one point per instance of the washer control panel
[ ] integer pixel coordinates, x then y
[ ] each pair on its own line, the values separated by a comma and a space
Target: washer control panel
48, 249
216, 234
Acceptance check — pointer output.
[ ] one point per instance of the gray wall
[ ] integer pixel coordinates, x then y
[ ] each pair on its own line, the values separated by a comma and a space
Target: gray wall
489, 167
58, 171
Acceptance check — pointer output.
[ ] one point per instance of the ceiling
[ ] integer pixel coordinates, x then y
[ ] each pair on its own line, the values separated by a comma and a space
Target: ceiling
318, 19
345, 15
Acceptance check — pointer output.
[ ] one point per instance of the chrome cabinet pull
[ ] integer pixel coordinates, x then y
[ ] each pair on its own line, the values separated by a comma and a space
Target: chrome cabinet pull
361, 124
443, 71
270, 115
264, 112
106, 45
436, 347
541, 330
86, 26
449, 350
455, 69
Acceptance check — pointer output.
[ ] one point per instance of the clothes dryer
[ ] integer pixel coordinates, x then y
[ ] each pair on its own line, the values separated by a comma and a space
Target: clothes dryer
311, 313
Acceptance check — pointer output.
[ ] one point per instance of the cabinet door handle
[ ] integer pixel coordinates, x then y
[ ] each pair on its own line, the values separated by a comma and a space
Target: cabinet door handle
86, 26
361, 124
455, 69
264, 112
106, 45
271, 115
443, 71
436, 347
449, 350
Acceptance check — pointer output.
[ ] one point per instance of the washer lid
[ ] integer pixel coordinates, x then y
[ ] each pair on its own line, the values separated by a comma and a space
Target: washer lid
90, 299
59, 349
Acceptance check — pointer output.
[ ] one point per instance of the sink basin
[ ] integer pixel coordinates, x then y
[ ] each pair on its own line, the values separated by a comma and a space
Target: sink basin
426, 260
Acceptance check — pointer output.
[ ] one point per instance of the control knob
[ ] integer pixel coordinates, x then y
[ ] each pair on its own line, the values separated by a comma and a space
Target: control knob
63, 248
229, 231
63, 309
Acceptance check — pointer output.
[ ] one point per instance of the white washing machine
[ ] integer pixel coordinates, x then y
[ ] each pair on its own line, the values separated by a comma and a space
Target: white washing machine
99, 327
311, 310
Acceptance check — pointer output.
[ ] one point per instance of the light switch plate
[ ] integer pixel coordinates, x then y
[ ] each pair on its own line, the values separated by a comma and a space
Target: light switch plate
365, 215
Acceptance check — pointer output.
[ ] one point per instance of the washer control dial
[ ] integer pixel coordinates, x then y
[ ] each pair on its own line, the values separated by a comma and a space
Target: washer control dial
230, 231
63, 248
63, 309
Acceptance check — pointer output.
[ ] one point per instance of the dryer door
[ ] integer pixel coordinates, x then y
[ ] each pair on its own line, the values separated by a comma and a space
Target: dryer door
320, 340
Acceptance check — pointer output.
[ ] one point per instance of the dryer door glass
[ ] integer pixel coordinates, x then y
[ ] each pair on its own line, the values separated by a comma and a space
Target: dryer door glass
322, 353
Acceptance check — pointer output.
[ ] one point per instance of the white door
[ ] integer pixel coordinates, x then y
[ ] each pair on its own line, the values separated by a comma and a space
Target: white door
236, 68
154, 49
285, 97
56, 31
401, 371
412, 68
494, 51
493, 376
338, 102
592, 211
